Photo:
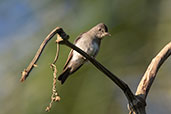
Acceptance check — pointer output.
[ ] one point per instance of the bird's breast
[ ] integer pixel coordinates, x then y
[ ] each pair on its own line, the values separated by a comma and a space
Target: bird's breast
88, 45
92, 48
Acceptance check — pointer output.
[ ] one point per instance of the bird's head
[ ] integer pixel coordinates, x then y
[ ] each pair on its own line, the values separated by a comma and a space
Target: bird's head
100, 30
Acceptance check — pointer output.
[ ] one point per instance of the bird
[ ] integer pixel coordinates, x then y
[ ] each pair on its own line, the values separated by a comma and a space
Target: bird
89, 42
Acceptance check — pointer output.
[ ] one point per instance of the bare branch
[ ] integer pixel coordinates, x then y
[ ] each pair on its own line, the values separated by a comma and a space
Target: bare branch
63, 39
136, 102
148, 78
150, 74
26, 71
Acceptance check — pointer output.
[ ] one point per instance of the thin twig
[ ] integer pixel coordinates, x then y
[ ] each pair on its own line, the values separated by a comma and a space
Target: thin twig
26, 71
57, 52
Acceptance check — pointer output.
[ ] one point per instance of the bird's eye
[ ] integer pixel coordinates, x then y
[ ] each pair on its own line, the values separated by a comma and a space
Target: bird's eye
100, 29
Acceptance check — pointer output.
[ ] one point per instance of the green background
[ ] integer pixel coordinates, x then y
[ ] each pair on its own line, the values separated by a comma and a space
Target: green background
139, 28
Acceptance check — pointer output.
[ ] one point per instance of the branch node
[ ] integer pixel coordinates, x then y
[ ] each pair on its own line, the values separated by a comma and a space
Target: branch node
137, 105
61, 37
35, 65
57, 98
24, 74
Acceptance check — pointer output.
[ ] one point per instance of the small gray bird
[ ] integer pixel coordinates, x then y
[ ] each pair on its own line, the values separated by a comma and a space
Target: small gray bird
89, 42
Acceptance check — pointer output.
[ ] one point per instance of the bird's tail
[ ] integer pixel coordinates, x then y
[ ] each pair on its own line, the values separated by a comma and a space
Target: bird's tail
64, 75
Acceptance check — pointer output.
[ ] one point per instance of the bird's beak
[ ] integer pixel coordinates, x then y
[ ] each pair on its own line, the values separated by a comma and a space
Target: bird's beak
106, 34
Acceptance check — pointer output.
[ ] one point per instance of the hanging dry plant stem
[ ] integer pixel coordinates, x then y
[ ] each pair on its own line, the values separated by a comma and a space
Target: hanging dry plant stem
55, 97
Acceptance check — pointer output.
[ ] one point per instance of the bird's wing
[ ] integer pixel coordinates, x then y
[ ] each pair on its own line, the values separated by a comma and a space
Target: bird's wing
79, 36
71, 52
69, 59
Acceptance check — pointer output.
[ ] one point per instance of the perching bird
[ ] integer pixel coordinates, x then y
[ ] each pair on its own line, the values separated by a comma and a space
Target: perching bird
89, 42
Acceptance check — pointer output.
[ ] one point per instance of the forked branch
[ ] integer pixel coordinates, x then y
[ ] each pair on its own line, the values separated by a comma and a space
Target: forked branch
149, 76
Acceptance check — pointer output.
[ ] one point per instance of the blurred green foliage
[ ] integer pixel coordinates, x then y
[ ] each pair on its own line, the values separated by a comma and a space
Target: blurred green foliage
139, 28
